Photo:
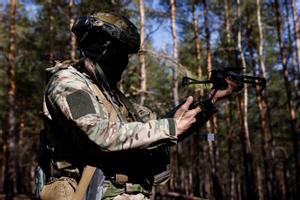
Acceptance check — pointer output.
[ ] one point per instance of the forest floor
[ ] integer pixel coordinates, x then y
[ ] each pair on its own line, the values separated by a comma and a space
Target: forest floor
18, 197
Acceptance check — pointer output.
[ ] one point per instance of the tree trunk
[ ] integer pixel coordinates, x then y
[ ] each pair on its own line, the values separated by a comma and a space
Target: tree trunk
72, 36
174, 157
286, 190
141, 54
265, 139
10, 140
212, 124
197, 45
261, 40
292, 113
51, 32
2, 156
295, 60
249, 192
20, 177
231, 166
207, 35
239, 185
241, 52
228, 114
196, 179
175, 51
247, 149
264, 113
227, 23
296, 33
259, 183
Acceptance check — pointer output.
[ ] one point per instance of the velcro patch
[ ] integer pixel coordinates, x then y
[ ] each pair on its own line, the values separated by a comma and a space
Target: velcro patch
80, 104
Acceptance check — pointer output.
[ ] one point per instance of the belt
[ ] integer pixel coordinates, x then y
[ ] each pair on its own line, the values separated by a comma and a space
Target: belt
118, 179
63, 173
121, 183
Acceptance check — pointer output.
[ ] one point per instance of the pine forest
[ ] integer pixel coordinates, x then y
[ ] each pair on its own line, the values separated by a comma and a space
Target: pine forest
254, 153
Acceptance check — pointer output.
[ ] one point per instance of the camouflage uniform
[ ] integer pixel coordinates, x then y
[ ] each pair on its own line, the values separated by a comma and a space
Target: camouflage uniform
73, 106
89, 123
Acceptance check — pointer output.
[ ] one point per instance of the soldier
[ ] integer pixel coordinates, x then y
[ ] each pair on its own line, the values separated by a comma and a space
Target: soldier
88, 121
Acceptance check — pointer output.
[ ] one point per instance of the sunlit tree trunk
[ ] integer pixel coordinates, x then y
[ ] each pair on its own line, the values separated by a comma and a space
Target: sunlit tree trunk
207, 35
72, 36
141, 54
292, 113
242, 56
296, 33
249, 179
209, 124
196, 179
175, 50
10, 140
243, 103
174, 156
264, 112
261, 40
227, 23
212, 124
264, 143
197, 44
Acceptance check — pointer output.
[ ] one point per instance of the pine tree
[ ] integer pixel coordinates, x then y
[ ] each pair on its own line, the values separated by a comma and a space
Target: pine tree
72, 36
292, 113
10, 140
141, 54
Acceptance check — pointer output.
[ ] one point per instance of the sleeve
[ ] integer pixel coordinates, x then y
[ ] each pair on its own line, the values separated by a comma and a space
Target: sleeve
70, 95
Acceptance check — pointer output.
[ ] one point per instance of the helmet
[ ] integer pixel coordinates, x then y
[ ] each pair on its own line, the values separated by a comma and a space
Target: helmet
109, 26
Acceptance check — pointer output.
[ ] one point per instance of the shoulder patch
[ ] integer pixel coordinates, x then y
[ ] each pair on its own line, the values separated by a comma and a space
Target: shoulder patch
80, 104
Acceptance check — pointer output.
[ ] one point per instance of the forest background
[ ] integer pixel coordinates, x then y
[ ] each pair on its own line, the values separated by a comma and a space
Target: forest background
256, 154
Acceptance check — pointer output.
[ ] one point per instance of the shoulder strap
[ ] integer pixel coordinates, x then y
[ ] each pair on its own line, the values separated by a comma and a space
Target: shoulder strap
129, 106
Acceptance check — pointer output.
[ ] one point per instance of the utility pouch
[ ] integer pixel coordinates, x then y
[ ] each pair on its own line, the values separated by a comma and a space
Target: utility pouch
59, 189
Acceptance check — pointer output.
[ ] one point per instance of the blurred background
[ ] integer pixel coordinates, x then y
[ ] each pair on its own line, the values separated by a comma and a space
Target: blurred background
256, 154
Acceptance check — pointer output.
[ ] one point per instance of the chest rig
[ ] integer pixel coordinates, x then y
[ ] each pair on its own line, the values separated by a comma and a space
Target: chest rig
155, 165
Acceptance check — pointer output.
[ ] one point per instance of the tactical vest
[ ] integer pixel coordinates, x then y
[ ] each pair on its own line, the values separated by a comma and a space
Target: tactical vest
155, 162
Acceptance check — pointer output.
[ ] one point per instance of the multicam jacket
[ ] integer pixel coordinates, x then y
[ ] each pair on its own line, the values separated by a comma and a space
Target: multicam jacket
73, 109
84, 127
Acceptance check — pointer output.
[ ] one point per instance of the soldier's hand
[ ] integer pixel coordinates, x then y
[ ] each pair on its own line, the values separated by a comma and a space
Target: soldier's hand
184, 117
220, 94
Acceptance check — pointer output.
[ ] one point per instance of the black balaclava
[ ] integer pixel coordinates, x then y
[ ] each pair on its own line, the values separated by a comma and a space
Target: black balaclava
109, 54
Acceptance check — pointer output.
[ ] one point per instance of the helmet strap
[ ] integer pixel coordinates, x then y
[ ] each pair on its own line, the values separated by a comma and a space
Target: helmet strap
99, 73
